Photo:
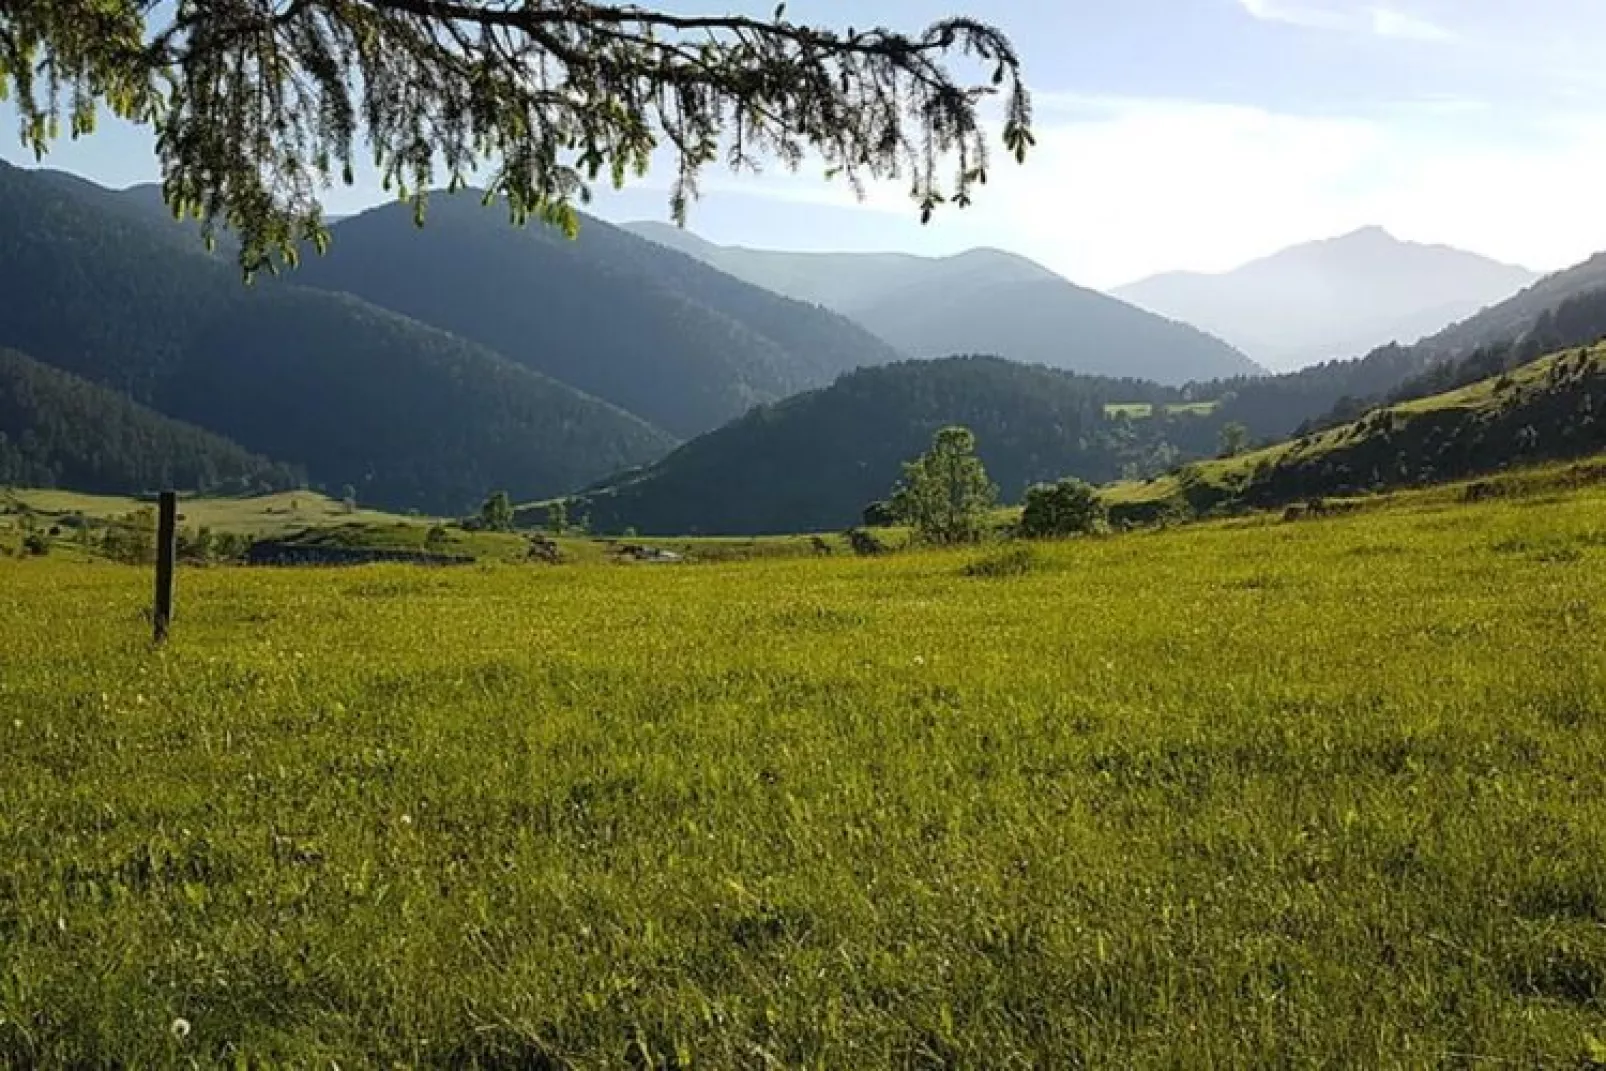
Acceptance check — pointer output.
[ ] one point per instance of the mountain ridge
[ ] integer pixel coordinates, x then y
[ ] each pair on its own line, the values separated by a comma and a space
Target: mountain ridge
983, 300
813, 461
652, 331
346, 391
1333, 297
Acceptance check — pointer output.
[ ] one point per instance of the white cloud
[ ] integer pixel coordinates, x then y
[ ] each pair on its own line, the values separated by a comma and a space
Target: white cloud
1119, 189
1388, 22
1383, 21
1295, 13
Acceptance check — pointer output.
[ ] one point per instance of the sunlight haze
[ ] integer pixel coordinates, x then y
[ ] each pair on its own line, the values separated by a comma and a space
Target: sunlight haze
1200, 134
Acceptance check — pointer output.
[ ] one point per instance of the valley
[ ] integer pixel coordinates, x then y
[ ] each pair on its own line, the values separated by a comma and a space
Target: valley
450, 621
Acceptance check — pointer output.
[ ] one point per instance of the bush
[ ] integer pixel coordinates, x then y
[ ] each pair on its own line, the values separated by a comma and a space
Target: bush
1011, 561
864, 543
879, 515
36, 544
1069, 507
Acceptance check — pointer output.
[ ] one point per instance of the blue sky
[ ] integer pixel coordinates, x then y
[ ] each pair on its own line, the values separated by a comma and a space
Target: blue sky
1202, 133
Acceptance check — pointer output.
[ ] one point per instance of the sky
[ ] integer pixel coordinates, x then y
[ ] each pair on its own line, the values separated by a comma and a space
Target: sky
1196, 135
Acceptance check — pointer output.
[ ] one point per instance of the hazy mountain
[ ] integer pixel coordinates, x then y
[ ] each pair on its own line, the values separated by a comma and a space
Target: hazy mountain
1567, 308
1521, 312
982, 301
1335, 298
350, 393
814, 461
663, 335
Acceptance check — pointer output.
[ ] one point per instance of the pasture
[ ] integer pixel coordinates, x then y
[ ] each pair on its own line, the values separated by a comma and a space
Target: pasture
1244, 793
1145, 410
261, 515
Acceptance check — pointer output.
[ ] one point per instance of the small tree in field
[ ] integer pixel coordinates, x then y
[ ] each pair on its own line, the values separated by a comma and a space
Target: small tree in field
497, 513
945, 495
557, 517
1234, 439
1068, 507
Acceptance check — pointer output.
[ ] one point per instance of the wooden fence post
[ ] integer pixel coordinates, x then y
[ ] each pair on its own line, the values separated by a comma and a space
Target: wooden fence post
166, 550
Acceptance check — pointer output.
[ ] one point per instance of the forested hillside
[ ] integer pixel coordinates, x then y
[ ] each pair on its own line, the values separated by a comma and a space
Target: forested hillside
814, 461
57, 430
1552, 408
655, 332
408, 415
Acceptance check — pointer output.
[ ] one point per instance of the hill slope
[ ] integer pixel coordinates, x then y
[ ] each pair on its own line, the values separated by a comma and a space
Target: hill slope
1332, 298
409, 415
57, 430
1551, 408
982, 301
655, 332
812, 462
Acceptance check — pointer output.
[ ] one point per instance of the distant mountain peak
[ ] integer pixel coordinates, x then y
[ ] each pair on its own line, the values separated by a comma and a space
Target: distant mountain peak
981, 300
1334, 297
1371, 233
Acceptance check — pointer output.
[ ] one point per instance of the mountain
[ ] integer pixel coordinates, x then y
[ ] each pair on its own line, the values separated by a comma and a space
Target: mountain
1567, 308
660, 334
982, 301
409, 415
57, 430
1523, 311
813, 461
1552, 408
1332, 298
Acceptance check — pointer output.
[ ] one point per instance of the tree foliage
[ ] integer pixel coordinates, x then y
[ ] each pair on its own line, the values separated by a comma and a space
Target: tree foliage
945, 494
258, 105
1234, 438
497, 512
1066, 507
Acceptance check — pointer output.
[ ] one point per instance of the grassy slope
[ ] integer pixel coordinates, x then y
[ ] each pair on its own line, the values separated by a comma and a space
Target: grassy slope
309, 518
1234, 794
1221, 479
263, 515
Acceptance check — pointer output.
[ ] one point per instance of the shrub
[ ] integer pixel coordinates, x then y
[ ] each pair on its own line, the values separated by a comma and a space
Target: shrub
879, 515
1069, 507
36, 543
864, 543
1011, 561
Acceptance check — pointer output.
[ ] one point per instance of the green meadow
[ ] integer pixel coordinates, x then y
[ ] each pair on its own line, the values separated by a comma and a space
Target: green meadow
1144, 410
1235, 794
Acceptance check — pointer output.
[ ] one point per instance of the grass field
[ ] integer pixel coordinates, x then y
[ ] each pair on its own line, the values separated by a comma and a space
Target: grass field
1241, 794
263, 515
1144, 410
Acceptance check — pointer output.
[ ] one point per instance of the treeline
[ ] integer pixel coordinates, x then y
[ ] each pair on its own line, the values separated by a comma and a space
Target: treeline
57, 430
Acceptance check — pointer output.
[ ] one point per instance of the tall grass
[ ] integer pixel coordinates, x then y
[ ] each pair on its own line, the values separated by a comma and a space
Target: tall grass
1245, 794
